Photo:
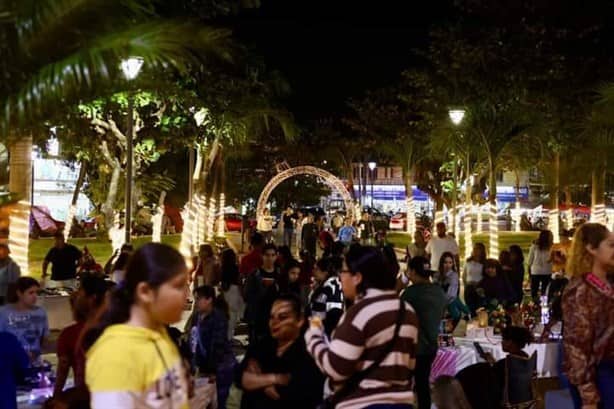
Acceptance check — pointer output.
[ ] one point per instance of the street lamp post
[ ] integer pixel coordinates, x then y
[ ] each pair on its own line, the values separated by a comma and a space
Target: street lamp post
372, 166
131, 68
456, 116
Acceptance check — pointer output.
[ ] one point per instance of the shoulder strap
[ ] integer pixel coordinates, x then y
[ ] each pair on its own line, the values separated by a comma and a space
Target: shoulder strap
354, 381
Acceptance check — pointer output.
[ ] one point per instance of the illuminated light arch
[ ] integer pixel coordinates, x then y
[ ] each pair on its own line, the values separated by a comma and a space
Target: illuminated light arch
330, 179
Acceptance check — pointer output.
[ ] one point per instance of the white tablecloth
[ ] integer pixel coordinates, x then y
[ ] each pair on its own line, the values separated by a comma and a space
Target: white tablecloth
451, 360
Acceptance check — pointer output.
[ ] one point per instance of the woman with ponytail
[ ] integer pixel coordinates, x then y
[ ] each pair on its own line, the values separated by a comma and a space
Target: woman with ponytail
134, 363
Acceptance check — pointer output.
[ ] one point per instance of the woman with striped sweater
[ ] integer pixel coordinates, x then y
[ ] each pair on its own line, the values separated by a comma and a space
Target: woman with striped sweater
376, 329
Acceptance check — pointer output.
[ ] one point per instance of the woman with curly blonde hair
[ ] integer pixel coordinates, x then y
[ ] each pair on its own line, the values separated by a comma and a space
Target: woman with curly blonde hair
588, 317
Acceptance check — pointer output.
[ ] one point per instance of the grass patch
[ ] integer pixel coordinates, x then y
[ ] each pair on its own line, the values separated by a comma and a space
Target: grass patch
506, 239
99, 248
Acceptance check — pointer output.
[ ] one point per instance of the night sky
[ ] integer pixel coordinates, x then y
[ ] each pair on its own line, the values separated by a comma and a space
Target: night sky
332, 50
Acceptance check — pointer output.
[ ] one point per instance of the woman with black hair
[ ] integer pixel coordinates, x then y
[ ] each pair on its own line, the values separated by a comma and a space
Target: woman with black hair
211, 348
494, 288
540, 263
231, 289
370, 359
277, 372
326, 299
472, 275
289, 279
516, 274
134, 363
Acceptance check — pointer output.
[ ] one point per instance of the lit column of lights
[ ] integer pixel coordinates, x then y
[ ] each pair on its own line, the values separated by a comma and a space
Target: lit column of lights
156, 235
185, 246
211, 220
598, 214
199, 213
494, 231
569, 218
72, 211
610, 218
517, 214
478, 215
19, 235
221, 224
457, 218
411, 215
468, 233
553, 224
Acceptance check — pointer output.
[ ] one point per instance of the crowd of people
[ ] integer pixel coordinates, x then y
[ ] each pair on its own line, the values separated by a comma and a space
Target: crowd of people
341, 326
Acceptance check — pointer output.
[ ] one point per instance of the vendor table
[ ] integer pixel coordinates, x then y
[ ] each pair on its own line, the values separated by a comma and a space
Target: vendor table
451, 360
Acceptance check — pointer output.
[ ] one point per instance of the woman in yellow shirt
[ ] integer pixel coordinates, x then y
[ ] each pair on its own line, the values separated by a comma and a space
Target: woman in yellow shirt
134, 363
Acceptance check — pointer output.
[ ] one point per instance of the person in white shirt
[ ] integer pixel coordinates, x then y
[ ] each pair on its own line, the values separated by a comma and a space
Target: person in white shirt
441, 243
540, 263
473, 274
265, 225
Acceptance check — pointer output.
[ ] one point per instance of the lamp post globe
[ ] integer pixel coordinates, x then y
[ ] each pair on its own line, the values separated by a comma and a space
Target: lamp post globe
372, 165
131, 67
456, 116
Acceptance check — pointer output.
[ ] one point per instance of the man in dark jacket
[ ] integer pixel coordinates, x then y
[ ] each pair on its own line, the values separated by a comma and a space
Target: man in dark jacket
309, 236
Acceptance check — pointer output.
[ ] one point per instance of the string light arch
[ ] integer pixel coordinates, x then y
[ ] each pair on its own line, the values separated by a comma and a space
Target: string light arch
328, 178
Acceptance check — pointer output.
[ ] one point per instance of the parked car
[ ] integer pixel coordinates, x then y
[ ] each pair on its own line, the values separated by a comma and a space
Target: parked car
376, 214
398, 221
233, 221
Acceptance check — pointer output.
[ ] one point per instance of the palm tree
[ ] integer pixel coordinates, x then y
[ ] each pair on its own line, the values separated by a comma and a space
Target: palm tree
62, 53
598, 149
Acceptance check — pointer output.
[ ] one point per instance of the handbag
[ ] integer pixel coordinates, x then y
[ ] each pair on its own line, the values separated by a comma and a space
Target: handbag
353, 381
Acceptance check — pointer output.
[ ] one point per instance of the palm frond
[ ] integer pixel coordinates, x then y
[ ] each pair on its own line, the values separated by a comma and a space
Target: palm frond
39, 19
160, 44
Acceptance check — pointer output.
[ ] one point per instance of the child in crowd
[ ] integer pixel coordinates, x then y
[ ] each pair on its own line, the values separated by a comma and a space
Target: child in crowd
326, 299
134, 363
289, 279
24, 319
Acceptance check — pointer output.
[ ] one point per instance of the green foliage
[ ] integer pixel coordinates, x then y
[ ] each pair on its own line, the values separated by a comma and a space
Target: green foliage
64, 53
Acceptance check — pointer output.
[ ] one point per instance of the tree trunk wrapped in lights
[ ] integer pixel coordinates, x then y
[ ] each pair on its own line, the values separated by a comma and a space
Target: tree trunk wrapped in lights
468, 233
19, 235
201, 215
478, 216
410, 220
221, 224
187, 235
211, 220
553, 213
598, 197
494, 231
458, 219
